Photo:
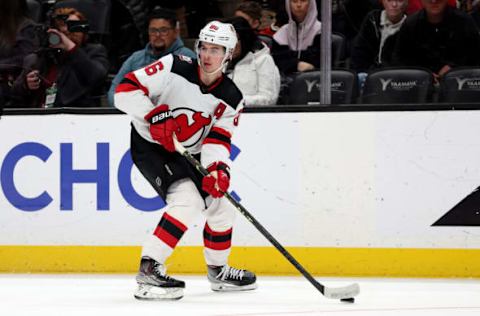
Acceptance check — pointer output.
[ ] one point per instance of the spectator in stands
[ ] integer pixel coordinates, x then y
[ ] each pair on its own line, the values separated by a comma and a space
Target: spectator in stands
374, 44
296, 45
281, 18
438, 37
67, 71
17, 39
252, 68
252, 12
261, 20
164, 39
465, 5
416, 5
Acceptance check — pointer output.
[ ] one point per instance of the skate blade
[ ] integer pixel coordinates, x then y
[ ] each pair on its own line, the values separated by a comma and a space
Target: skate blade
225, 287
155, 293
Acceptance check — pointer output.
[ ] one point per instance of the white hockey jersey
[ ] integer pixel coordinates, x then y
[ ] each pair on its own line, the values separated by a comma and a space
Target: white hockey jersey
206, 116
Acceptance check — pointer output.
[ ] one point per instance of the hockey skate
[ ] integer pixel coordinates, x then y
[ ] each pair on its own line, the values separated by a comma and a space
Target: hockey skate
155, 284
226, 279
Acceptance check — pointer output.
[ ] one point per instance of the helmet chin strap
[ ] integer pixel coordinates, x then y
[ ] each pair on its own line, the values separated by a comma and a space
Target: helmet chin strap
222, 66
211, 72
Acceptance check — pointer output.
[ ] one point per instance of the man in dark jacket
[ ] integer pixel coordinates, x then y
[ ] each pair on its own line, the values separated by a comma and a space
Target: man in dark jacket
69, 72
373, 46
439, 38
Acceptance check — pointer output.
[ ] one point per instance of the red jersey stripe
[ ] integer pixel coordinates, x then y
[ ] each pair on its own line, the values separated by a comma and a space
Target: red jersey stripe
131, 76
222, 131
217, 142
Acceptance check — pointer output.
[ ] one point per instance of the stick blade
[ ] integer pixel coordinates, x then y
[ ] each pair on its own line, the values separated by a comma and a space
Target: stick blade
349, 291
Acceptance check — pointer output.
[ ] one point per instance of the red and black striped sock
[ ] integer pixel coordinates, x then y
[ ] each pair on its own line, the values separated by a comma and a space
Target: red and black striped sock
217, 240
170, 230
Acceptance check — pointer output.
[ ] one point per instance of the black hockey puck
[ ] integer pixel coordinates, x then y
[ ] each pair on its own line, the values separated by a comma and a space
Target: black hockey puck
348, 300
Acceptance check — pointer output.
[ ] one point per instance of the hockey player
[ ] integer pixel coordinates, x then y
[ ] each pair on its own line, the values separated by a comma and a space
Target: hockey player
194, 101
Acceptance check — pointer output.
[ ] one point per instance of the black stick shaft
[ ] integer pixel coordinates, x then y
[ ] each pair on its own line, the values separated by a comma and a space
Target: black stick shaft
194, 162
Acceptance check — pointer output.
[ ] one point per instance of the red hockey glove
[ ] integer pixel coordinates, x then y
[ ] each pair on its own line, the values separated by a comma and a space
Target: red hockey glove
162, 126
218, 180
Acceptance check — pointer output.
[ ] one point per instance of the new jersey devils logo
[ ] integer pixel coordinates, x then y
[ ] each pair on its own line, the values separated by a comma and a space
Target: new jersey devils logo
192, 125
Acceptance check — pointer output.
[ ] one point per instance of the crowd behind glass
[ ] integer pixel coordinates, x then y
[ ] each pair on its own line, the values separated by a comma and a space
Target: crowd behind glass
67, 54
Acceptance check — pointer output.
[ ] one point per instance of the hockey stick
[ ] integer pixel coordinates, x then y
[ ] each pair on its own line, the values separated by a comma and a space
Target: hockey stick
346, 293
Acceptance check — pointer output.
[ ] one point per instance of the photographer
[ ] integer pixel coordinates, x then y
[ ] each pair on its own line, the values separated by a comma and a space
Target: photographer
67, 71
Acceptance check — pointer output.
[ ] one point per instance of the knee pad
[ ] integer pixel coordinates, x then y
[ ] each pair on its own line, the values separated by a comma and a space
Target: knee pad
220, 214
184, 202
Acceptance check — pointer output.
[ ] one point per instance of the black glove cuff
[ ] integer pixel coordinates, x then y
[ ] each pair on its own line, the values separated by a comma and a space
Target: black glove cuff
224, 167
160, 118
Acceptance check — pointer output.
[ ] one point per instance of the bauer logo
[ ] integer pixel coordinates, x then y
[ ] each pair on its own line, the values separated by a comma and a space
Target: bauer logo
161, 117
105, 175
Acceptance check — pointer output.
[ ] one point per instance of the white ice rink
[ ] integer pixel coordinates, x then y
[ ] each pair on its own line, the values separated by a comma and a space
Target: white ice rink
71, 294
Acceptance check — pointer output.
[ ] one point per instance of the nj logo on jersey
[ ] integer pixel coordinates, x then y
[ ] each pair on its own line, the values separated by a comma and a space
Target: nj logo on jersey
193, 125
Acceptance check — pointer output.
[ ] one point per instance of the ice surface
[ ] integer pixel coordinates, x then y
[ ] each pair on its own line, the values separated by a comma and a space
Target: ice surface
100, 294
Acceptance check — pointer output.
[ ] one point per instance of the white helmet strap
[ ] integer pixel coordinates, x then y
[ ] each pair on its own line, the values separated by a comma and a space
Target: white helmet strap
223, 65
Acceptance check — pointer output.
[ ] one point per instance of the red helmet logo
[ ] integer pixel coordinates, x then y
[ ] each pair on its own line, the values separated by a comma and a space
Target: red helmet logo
213, 27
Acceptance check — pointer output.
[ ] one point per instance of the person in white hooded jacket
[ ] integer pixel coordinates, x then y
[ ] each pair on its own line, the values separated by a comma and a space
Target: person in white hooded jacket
252, 68
296, 45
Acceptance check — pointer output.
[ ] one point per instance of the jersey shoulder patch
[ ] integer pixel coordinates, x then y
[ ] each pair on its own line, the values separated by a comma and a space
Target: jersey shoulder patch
185, 58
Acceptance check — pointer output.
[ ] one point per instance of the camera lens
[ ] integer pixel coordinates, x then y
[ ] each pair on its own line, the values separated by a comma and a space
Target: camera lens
54, 39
